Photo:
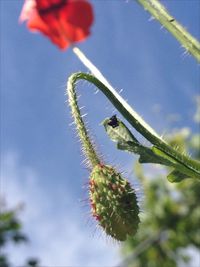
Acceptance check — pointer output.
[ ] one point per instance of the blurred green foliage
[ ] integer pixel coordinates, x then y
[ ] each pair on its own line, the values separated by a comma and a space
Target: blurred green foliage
11, 232
170, 215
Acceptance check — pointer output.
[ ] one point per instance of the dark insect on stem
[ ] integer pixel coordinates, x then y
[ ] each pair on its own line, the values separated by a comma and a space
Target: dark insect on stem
113, 121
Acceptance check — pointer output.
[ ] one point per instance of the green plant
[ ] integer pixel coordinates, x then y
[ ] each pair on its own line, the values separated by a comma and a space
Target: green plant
161, 152
179, 164
160, 13
170, 220
54, 19
11, 232
113, 200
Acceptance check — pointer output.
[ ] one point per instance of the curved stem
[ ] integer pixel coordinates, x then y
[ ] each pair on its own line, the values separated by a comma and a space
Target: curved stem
159, 12
88, 147
189, 166
105, 83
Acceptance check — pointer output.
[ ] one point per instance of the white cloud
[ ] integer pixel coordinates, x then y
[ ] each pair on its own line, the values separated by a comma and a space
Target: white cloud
58, 238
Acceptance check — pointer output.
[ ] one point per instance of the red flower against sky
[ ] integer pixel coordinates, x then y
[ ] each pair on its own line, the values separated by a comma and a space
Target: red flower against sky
63, 21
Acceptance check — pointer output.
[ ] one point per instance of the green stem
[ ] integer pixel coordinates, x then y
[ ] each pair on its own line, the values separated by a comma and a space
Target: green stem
88, 147
189, 166
159, 12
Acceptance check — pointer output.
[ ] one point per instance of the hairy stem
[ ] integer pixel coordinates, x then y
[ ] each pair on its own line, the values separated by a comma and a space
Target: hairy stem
88, 147
189, 166
159, 12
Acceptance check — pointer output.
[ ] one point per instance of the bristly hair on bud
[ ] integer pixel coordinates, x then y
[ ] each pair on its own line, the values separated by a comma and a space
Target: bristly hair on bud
113, 201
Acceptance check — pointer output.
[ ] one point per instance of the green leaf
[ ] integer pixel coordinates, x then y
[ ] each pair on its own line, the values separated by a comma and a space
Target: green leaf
118, 132
160, 153
182, 170
176, 176
146, 154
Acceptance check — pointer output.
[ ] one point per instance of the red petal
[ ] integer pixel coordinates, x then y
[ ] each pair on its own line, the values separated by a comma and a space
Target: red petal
71, 18
78, 13
50, 4
37, 24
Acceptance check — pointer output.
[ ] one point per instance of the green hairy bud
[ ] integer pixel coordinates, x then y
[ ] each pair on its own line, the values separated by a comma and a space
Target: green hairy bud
114, 202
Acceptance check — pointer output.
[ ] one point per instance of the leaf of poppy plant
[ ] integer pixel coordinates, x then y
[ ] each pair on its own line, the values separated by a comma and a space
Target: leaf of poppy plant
176, 176
118, 132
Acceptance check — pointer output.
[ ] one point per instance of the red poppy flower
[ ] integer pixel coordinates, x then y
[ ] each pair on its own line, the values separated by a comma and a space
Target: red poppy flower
63, 21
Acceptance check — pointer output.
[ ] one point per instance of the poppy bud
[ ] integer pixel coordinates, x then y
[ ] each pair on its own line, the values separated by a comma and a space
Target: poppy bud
113, 202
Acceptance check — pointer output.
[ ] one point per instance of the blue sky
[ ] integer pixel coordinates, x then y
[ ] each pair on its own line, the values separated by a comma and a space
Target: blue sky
40, 155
